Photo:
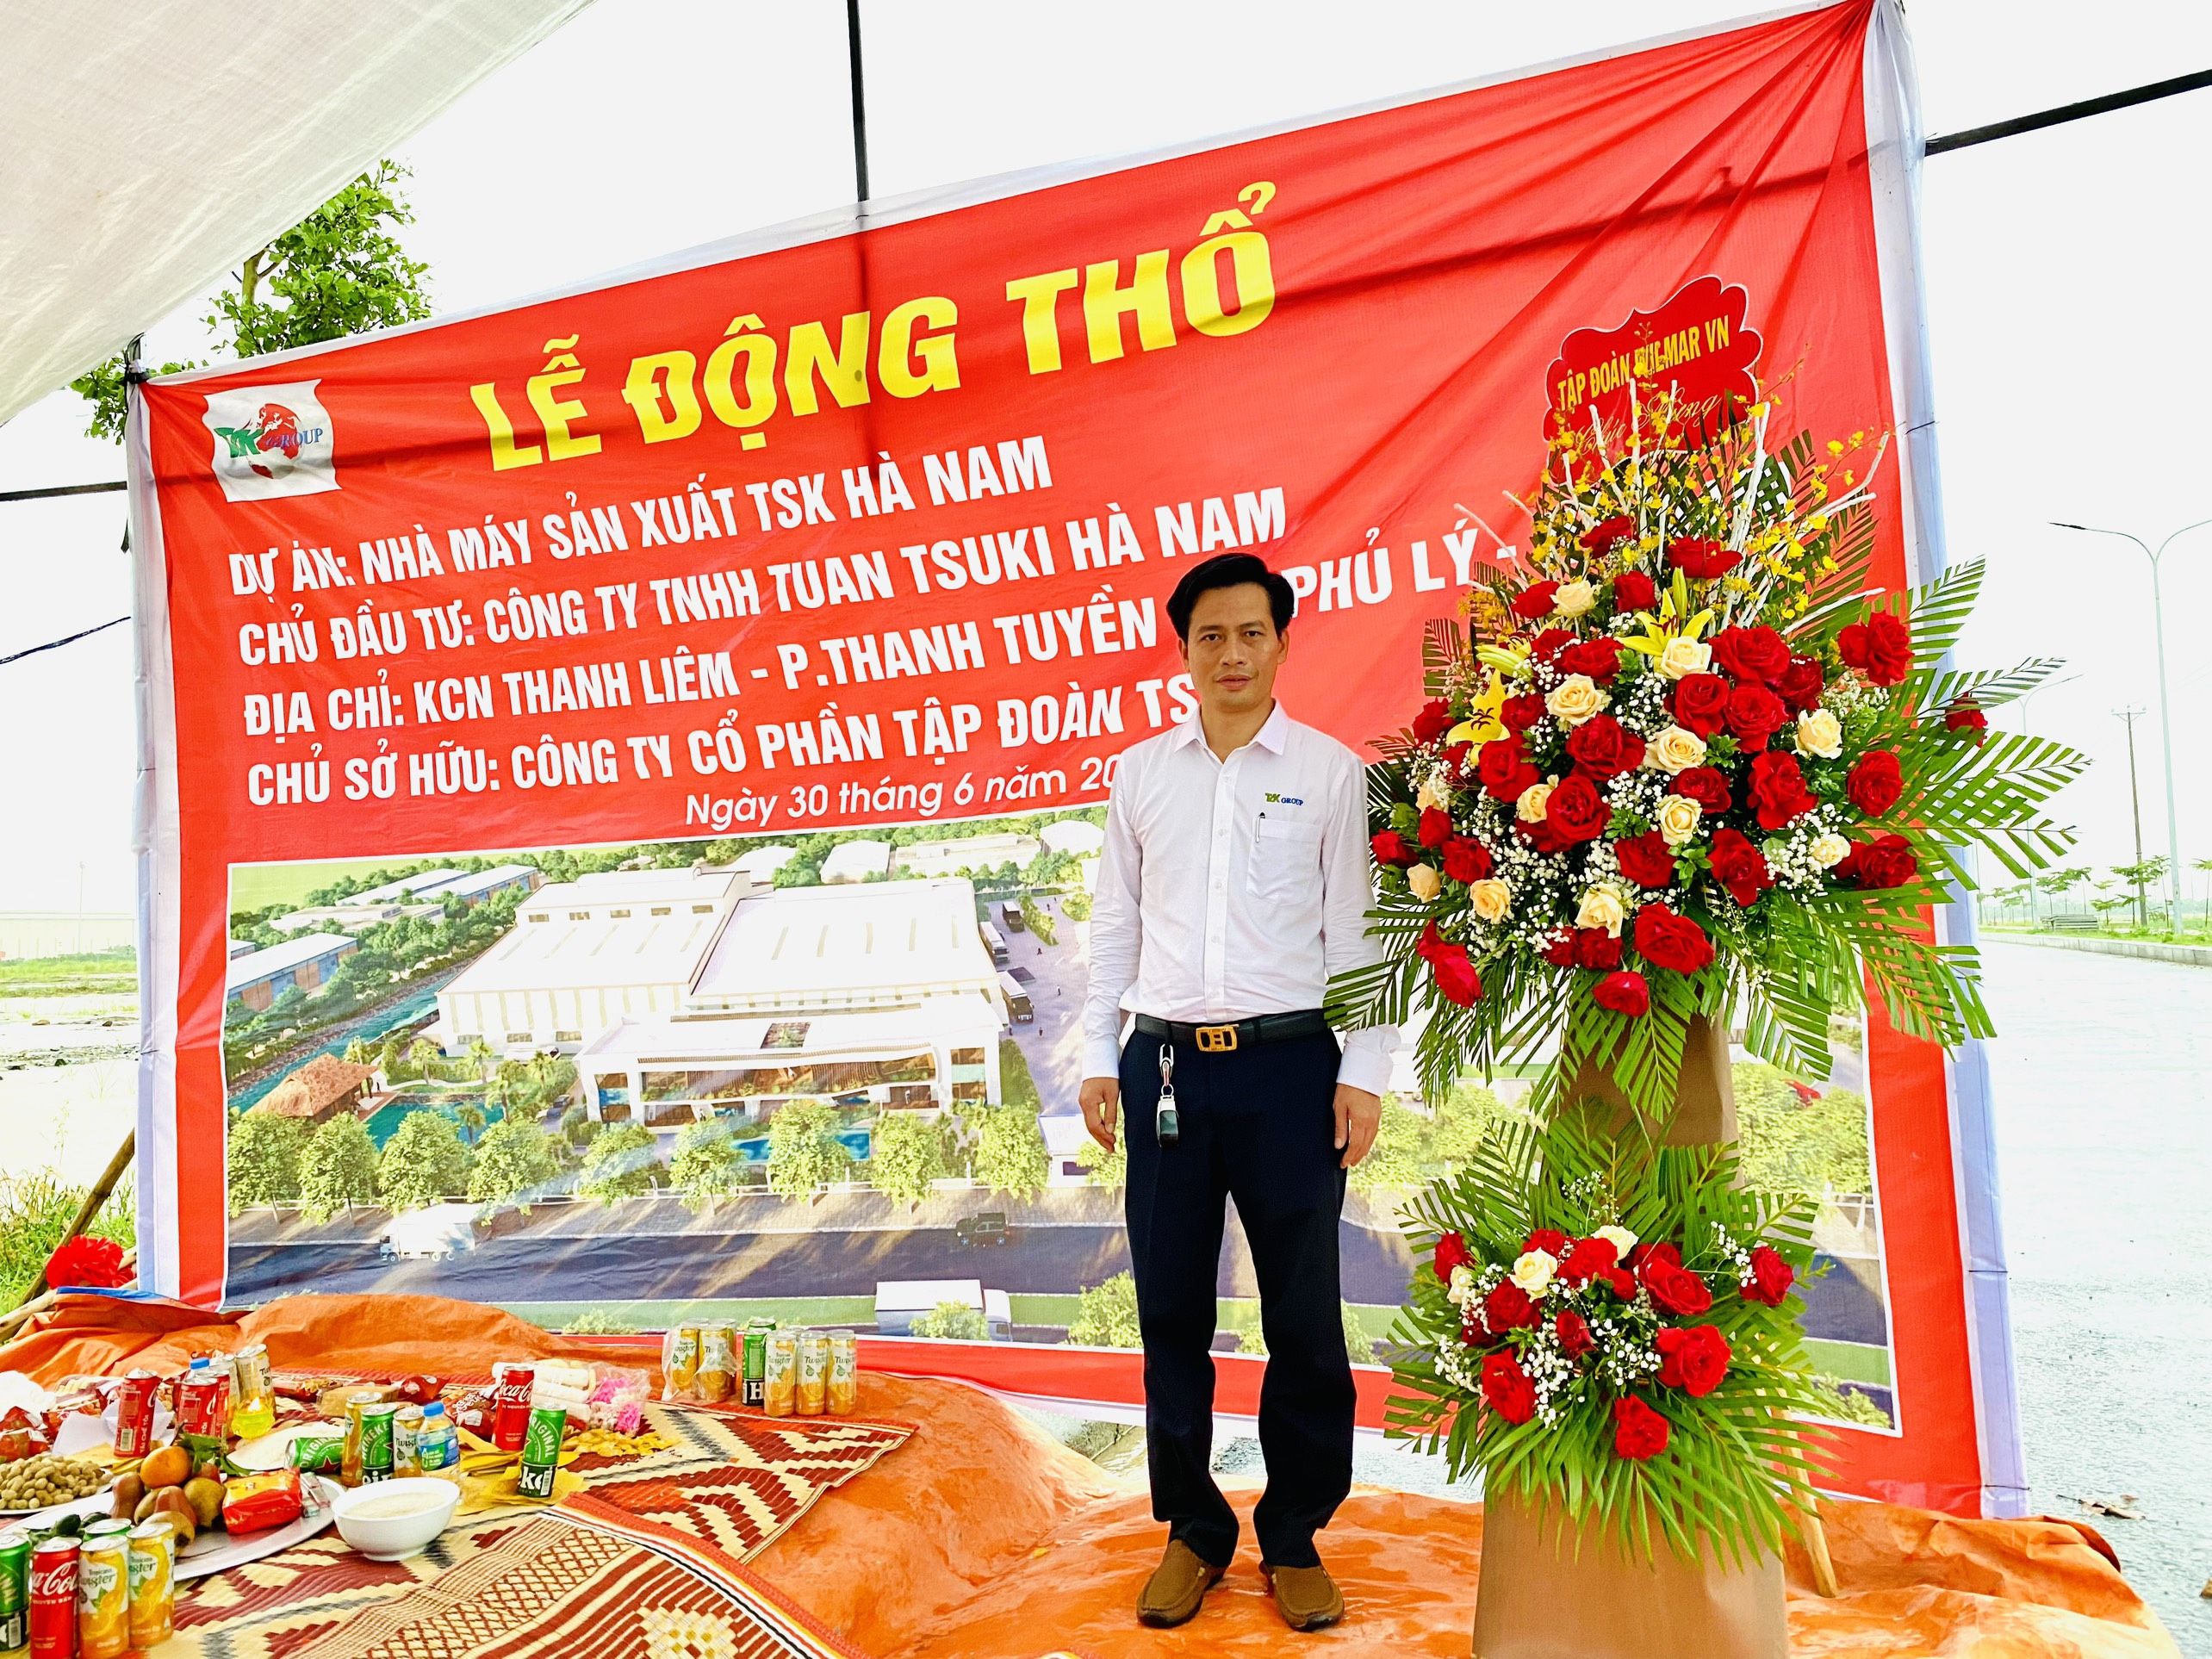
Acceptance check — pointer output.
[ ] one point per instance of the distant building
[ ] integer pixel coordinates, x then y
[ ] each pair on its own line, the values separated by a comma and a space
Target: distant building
976, 852
1065, 1140
352, 916
856, 860
1078, 837
406, 885
477, 885
631, 895
899, 1302
258, 978
239, 948
761, 863
325, 1087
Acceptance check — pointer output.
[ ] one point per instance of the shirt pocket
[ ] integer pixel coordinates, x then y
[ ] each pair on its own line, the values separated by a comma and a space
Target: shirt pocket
1286, 862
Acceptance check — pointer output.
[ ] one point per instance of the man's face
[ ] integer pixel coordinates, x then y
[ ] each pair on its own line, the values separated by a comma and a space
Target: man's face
1234, 651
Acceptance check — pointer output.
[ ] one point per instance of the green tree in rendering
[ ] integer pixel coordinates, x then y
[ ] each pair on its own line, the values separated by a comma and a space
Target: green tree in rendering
953, 1320
1393, 1162
906, 1152
1358, 1347
619, 1163
1107, 1169
804, 1153
1038, 920
423, 1162
1009, 1151
338, 1168
1462, 1119
1075, 907
263, 1159
514, 1159
707, 1165
1792, 1144
1106, 1314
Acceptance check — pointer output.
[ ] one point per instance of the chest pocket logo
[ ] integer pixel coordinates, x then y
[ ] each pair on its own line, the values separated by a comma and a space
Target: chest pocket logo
1286, 860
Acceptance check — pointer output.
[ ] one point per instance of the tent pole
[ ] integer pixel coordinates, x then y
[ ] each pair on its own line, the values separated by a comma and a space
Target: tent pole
860, 102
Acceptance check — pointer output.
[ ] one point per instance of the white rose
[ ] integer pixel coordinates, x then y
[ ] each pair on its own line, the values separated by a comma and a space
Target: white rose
1533, 1271
1424, 881
1676, 750
1601, 908
1828, 850
1530, 808
1573, 598
1433, 795
1618, 1237
1819, 732
1490, 899
1461, 1286
1684, 656
1576, 699
1678, 818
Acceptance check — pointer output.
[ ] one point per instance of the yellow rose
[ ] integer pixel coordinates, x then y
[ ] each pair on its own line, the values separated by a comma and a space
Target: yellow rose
1601, 908
1618, 1237
1819, 732
1573, 598
1684, 656
1576, 699
1433, 795
1490, 898
1532, 1271
1424, 881
1678, 818
1676, 750
1828, 850
1533, 803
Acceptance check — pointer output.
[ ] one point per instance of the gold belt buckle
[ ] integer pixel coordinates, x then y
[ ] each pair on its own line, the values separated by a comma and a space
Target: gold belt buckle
1217, 1038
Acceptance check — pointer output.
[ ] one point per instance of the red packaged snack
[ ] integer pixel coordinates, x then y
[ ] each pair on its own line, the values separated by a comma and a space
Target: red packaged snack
474, 1411
254, 1503
419, 1390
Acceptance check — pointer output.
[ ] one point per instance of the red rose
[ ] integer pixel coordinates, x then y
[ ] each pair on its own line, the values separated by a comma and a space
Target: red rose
1740, 867
1623, 993
1706, 785
1504, 770
1632, 591
1507, 1389
1434, 721
1507, 1308
1518, 714
1701, 560
1692, 1357
1771, 1277
1673, 1287
1450, 967
1671, 942
1701, 703
1575, 809
1754, 654
1605, 747
1588, 1258
1472, 1331
94, 1263
1598, 658
1451, 1251
1596, 948
1533, 602
1623, 1283
1466, 858
1455, 758
1639, 1432
1966, 715
1606, 534
1646, 859
1885, 861
1778, 793
1550, 1239
1880, 648
1435, 826
1574, 1331
1665, 1251
1559, 948
1754, 714
1549, 644
1801, 684
1544, 835
1389, 848
1875, 782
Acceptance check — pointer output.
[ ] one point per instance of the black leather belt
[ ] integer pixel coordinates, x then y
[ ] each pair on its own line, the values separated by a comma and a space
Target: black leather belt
1233, 1034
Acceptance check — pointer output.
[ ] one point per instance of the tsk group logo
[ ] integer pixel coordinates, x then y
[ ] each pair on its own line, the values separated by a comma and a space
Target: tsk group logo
271, 441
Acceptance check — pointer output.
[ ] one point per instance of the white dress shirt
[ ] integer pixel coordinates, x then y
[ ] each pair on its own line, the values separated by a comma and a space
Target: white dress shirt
1231, 888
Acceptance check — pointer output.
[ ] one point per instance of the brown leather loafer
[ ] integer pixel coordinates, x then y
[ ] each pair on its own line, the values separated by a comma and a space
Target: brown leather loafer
1172, 1594
1306, 1597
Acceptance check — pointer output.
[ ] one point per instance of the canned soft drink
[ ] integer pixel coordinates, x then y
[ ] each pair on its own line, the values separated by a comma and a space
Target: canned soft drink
348, 1467
53, 1599
376, 1436
756, 1365
844, 1373
104, 1595
14, 1591
779, 1374
540, 1451
153, 1583
683, 1363
252, 1399
718, 1364
203, 1400
134, 1415
813, 1373
406, 1441
511, 1387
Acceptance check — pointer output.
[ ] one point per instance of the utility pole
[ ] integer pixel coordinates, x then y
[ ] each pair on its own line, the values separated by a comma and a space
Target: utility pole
2136, 805
2025, 698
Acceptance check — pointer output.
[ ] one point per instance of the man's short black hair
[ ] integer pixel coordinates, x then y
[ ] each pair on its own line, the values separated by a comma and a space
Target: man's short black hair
1229, 570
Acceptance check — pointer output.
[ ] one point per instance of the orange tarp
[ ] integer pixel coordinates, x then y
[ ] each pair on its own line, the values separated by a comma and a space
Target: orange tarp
983, 1536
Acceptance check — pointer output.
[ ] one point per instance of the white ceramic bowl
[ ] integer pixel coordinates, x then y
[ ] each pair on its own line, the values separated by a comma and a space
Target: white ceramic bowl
393, 1518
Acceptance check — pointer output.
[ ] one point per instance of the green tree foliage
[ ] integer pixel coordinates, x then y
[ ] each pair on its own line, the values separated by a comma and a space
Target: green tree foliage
707, 1165
338, 1168
619, 1163
514, 1159
423, 1162
340, 271
263, 1158
1397, 1160
1844, 1405
1465, 1115
36, 1211
1792, 1145
1038, 920
1108, 1169
1106, 1315
954, 1319
1358, 1347
802, 1150
1016, 1086
1009, 1151
1075, 907
906, 1152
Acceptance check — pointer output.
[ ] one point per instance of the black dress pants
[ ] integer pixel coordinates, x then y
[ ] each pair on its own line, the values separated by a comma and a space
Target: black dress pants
1258, 1126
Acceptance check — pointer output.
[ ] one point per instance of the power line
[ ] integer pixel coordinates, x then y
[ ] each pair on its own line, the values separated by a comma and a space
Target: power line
2066, 112
67, 639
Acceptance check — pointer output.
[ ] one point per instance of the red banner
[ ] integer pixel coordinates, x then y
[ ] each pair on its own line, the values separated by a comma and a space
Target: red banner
851, 525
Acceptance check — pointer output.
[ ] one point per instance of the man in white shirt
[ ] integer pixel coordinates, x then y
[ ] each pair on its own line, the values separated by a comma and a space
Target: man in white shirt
1234, 883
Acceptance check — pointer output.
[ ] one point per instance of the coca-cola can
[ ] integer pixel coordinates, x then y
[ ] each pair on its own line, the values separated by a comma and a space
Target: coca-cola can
203, 1401
511, 1387
134, 1398
53, 1599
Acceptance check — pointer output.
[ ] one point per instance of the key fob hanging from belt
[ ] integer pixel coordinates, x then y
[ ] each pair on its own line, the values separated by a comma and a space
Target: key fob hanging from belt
1167, 1125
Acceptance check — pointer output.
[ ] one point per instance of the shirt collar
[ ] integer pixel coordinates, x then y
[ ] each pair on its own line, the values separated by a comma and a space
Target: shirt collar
1273, 734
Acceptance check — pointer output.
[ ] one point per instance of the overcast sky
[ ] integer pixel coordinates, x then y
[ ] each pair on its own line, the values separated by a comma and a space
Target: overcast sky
2065, 274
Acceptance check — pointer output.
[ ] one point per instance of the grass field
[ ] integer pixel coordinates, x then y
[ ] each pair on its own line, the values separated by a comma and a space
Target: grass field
70, 976
256, 886
659, 1315
1851, 1362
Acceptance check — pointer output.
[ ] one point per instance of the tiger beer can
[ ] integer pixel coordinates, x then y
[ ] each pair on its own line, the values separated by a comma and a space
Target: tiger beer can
103, 1598
540, 1451
379, 1427
813, 1373
153, 1583
844, 1373
779, 1374
756, 1366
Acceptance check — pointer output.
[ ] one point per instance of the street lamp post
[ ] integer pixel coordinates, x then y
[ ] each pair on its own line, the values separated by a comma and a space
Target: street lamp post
2165, 715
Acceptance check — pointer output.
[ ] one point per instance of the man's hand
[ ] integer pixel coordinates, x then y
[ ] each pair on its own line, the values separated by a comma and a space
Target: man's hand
1358, 1116
1102, 1101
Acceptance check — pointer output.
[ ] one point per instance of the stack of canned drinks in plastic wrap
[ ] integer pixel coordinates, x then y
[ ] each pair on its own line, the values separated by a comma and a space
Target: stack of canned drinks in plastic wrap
108, 1591
761, 1365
